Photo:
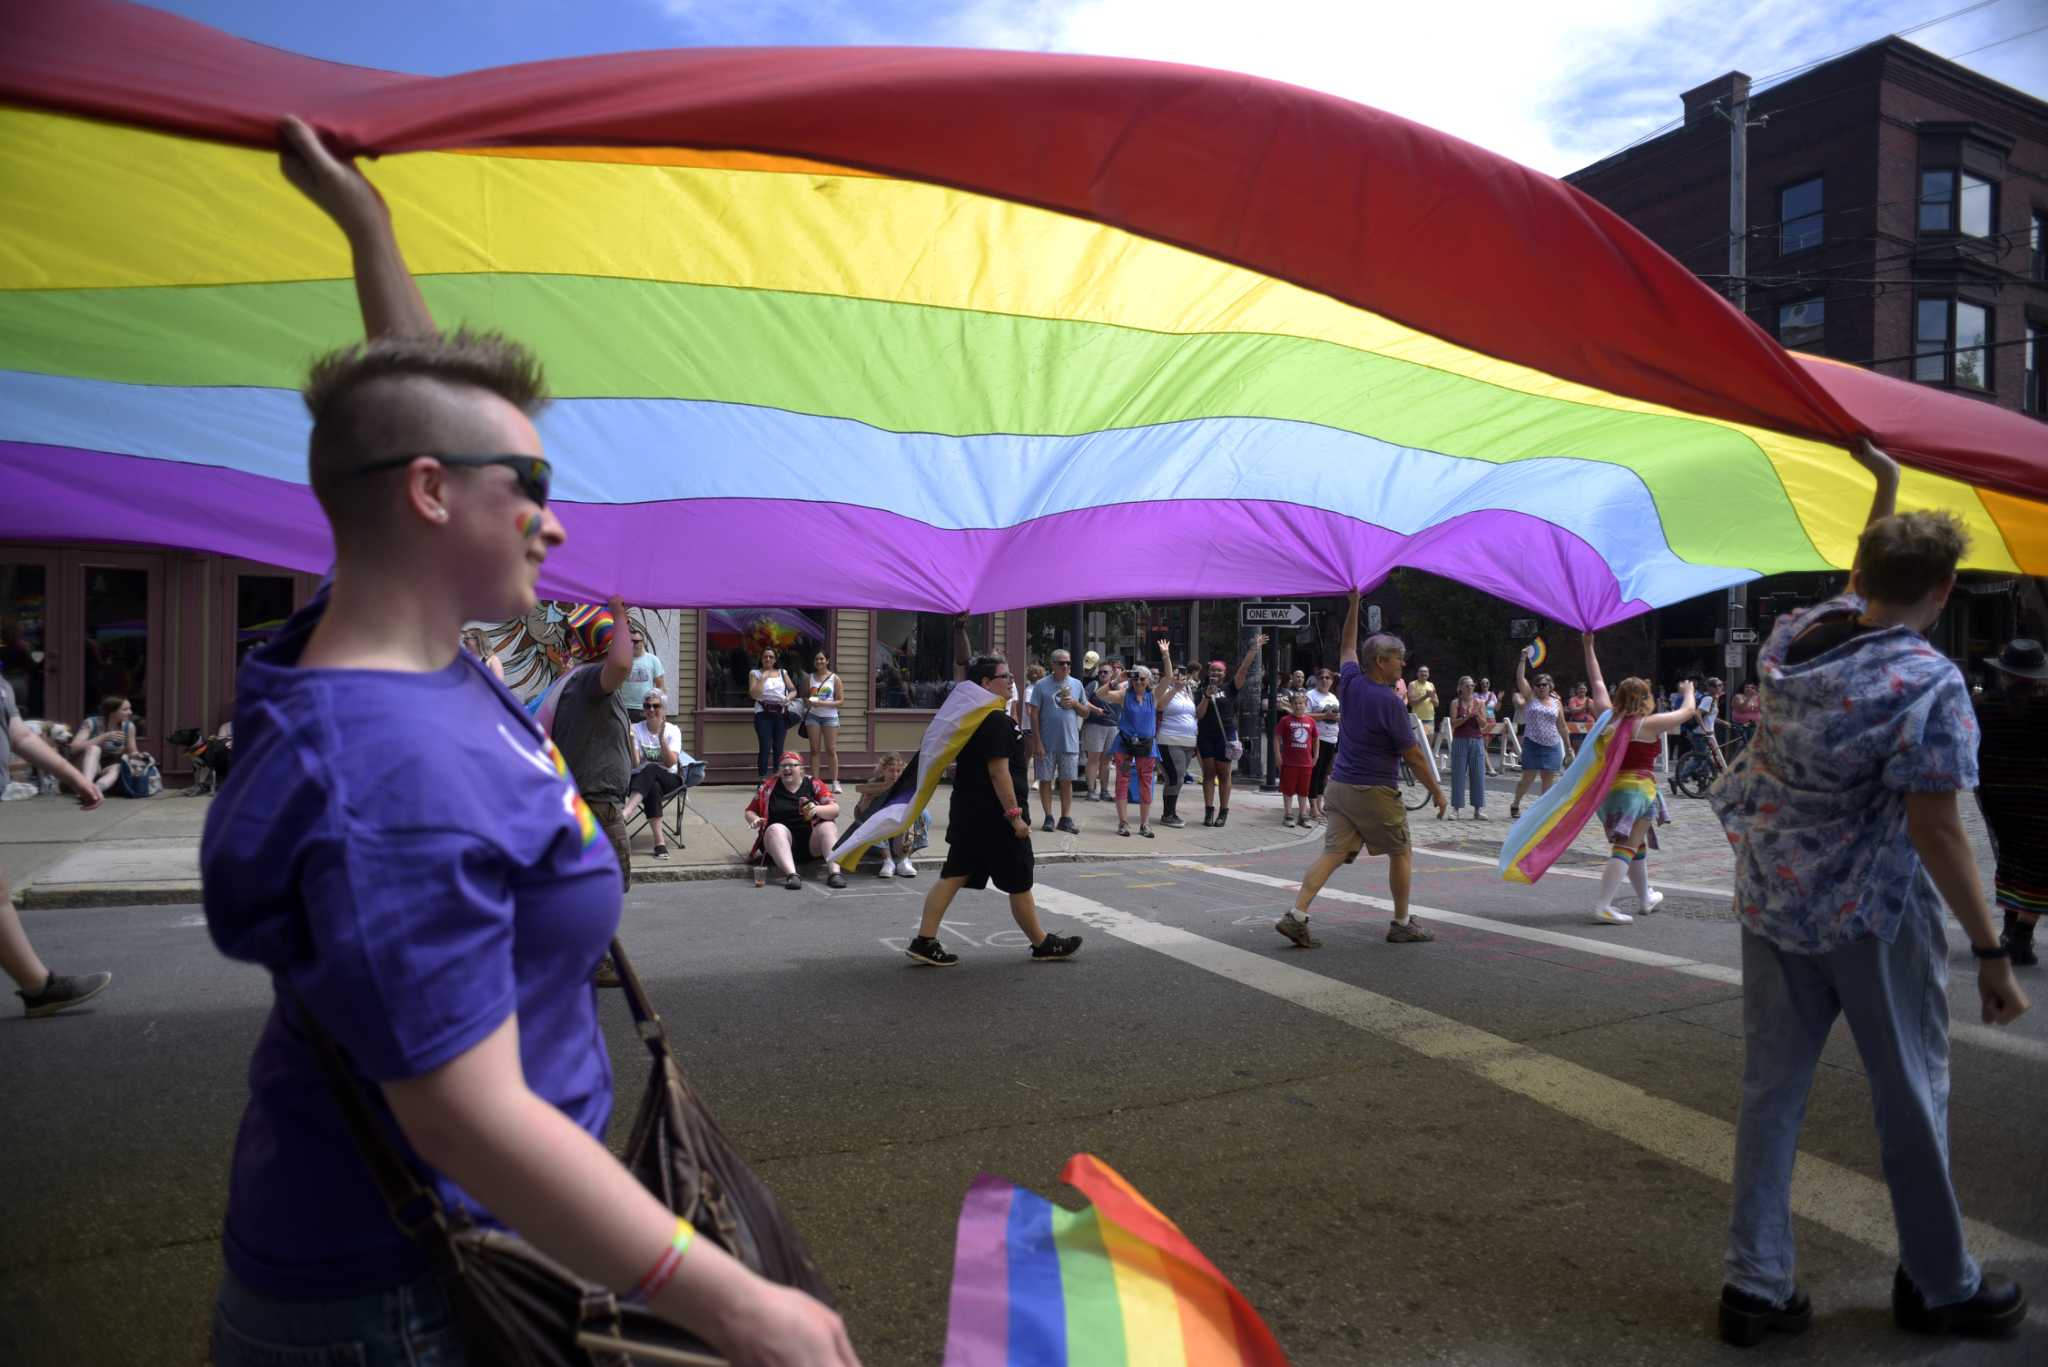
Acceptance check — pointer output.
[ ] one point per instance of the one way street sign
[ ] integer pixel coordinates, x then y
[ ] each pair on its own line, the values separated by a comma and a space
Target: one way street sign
1275, 614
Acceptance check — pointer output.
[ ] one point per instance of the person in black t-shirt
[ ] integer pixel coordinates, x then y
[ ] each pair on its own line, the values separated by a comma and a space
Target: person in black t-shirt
987, 838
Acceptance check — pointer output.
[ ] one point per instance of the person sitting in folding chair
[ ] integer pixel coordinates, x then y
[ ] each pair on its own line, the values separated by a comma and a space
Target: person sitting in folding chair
657, 767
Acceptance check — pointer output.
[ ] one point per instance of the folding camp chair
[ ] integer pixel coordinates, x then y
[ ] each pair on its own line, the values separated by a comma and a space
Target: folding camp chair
672, 808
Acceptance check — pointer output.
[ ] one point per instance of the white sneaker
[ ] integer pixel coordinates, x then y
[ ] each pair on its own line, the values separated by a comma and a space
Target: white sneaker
888, 870
836, 788
1608, 916
1651, 903
905, 869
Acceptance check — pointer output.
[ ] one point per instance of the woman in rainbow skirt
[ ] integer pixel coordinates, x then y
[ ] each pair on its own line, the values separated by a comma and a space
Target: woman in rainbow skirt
1629, 808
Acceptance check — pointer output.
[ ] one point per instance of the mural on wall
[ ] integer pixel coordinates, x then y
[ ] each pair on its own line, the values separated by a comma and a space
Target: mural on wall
536, 651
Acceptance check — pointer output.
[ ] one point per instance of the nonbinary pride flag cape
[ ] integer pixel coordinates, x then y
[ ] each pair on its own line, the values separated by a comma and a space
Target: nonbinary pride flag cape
1116, 1283
1548, 828
965, 708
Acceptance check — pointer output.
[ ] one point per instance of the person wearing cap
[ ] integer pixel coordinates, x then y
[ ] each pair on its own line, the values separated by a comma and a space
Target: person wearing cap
2012, 753
1098, 728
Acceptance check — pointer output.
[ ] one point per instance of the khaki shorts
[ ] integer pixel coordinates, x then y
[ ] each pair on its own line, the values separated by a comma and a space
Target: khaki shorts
1358, 815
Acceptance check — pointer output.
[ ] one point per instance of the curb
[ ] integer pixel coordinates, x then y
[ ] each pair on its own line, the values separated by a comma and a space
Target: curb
82, 896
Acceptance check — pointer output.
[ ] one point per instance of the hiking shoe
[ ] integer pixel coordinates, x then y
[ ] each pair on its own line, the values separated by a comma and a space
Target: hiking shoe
1145, 831
61, 994
1408, 932
1295, 928
1048, 822
1746, 1319
1067, 825
1056, 947
1287, 821
835, 879
927, 950
1995, 1311
605, 975
793, 883
1605, 915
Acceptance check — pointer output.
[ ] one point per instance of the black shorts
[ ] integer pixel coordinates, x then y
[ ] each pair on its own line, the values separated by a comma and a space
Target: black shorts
997, 857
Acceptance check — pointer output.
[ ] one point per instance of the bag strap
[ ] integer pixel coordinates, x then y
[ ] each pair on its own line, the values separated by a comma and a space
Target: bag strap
414, 1207
645, 1019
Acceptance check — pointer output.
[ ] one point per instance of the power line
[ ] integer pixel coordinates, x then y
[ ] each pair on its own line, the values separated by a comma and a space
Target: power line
2001, 42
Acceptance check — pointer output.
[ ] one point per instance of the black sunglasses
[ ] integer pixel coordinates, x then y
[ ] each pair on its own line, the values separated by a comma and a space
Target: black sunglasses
534, 473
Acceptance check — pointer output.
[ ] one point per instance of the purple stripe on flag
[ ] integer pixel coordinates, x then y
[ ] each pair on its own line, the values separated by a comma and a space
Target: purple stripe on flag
978, 1314
708, 553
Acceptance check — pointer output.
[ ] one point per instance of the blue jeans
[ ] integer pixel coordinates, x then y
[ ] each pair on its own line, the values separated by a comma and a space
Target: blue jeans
1894, 998
769, 728
410, 1326
1468, 768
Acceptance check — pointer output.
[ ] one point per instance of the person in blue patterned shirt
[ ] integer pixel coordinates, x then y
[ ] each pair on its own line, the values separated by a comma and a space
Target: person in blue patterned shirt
1848, 840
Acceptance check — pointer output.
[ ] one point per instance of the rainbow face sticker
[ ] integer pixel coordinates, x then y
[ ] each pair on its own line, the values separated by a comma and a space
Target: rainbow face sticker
529, 525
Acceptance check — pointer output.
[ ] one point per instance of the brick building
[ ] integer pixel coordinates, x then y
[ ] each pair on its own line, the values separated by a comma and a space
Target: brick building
1898, 212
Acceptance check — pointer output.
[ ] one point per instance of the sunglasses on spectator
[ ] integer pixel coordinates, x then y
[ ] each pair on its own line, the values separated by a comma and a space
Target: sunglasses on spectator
534, 473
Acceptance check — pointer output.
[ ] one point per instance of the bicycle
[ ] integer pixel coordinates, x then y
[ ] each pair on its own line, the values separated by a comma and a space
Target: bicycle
1414, 792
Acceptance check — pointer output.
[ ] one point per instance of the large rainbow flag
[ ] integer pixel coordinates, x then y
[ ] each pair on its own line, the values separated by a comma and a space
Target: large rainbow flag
1115, 1283
939, 317
1553, 820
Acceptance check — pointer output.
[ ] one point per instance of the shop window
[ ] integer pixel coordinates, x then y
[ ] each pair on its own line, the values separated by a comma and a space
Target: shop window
1953, 201
735, 640
1799, 217
1951, 343
914, 656
263, 603
1803, 324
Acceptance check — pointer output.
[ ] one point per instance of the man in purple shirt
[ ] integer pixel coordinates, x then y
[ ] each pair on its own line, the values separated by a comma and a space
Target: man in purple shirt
1363, 799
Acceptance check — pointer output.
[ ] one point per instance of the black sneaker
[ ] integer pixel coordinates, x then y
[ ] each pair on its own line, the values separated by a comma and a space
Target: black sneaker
1056, 947
61, 994
927, 950
1048, 822
1173, 821
1295, 927
1995, 1311
835, 879
793, 883
1067, 825
1746, 1319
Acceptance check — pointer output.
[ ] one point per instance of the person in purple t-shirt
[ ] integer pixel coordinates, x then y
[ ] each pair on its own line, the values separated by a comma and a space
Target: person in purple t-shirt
1362, 802
444, 937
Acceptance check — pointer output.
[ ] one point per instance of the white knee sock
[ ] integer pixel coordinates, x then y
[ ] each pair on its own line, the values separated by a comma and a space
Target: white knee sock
1610, 880
1639, 878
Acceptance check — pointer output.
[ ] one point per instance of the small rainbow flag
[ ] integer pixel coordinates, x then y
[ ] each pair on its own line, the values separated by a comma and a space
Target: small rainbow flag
1115, 1284
591, 627
1536, 653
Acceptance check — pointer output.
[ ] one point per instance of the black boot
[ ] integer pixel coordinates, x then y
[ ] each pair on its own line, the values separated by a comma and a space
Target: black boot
1222, 815
1746, 1319
1208, 816
1996, 1309
2018, 940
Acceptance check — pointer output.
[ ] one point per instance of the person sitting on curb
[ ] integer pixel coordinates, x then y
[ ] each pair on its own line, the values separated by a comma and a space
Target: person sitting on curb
1362, 802
896, 851
794, 811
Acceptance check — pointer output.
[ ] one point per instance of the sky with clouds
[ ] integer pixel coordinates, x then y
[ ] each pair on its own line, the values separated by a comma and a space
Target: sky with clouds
1553, 85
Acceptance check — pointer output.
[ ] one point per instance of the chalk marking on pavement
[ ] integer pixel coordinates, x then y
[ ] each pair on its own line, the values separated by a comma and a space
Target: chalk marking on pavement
1984, 1036
1555, 872
1825, 1193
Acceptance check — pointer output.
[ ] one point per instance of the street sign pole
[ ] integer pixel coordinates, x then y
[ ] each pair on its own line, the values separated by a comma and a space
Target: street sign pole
1269, 782
1268, 617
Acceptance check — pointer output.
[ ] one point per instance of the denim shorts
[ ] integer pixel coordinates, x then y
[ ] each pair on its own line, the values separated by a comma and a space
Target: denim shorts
813, 719
414, 1325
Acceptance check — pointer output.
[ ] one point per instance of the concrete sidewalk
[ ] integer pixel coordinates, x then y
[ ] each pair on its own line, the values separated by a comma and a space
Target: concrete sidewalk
133, 852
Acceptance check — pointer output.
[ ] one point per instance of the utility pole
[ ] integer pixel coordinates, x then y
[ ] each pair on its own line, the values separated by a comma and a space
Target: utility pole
1736, 112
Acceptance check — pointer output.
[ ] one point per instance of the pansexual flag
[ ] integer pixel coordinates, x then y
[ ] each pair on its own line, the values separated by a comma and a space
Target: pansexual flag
1114, 1284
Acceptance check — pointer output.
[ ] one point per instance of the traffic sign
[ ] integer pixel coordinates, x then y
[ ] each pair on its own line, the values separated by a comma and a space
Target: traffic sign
1742, 636
1372, 617
1523, 628
1275, 614
1734, 657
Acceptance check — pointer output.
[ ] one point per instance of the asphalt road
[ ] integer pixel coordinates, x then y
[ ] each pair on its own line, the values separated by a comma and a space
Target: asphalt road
1503, 1147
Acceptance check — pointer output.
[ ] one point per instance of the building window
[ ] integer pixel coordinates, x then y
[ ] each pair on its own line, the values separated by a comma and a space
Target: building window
1951, 343
1804, 324
913, 656
1953, 201
2035, 397
736, 638
2039, 241
1799, 217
